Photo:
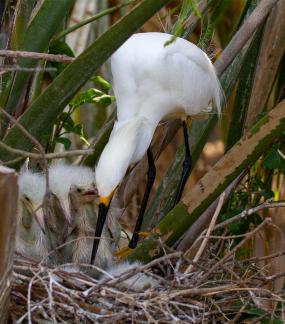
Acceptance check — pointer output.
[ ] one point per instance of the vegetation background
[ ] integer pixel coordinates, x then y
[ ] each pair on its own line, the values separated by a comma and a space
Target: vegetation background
66, 103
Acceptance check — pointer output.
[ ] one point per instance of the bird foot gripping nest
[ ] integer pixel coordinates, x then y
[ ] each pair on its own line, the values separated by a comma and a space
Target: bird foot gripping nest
124, 252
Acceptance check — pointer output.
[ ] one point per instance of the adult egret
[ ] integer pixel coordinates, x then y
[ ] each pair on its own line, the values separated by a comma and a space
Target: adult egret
151, 82
30, 238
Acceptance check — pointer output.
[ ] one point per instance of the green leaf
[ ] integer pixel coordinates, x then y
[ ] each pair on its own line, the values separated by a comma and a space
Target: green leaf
65, 141
92, 96
36, 39
99, 82
44, 110
67, 122
273, 160
59, 47
240, 109
193, 6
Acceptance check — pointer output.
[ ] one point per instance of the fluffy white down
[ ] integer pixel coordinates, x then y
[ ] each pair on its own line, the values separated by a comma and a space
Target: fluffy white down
63, 176
137, 282
32, 185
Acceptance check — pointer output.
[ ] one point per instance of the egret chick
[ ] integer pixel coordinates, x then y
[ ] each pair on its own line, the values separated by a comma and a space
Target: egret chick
74, 186
137, 282
152, 82
84, 207
30, 238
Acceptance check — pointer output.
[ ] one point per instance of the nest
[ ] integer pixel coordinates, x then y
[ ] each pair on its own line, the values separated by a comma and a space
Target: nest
220, 287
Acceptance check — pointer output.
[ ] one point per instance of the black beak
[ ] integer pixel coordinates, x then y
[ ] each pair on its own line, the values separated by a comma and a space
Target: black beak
102, 214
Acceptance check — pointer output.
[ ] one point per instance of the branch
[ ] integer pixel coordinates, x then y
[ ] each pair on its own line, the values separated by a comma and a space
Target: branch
242, 155
48, 156
249, 212
33, 140
37, 56
202, 222
210, 229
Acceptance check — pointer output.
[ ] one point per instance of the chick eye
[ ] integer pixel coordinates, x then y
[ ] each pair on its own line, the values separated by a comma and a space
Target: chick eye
79, 190
27, 198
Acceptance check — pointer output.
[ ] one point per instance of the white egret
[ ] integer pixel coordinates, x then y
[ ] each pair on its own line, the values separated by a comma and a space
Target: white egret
152, 82
30, 238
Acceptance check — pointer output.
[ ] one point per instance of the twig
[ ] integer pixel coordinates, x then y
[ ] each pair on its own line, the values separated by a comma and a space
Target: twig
33, 140
210, 229
91, 19
7, 68
48, 156
234, 250
249, 212
37, 56
202, 222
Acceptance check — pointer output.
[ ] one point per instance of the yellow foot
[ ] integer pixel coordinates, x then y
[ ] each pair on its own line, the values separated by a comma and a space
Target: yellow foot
123, 253
144, 234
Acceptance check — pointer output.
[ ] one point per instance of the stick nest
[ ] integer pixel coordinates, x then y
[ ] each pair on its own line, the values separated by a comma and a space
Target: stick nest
221, 287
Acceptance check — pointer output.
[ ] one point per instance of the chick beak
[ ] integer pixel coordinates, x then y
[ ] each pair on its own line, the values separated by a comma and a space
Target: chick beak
66, 211
102, 214
39, 216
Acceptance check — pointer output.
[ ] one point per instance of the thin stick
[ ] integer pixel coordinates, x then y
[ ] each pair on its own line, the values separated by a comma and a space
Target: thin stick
49, 156
210, 229
234, 250
37, 56
33, 140
249, 212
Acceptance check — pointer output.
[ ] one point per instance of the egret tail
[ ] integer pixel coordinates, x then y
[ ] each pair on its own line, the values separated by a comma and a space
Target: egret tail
150, 180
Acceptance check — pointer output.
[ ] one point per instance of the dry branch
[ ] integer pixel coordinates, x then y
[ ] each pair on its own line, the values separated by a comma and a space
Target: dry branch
37, 56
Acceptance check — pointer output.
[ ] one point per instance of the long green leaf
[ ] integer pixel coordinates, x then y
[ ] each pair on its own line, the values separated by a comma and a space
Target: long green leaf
36, 39
44, 110
242, 155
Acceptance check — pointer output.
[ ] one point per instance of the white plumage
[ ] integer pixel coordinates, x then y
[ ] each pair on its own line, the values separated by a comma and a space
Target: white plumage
137, 282
152, 82
30, 239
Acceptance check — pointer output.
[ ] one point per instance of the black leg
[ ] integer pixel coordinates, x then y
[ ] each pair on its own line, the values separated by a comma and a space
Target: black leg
187, 165
150, 180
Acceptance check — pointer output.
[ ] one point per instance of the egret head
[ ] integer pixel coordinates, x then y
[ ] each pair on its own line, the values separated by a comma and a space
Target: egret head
83, 191
71, 179
31, 194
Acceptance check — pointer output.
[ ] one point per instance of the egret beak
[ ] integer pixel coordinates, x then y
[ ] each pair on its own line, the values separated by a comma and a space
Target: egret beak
66, 211
39, 216
102, 214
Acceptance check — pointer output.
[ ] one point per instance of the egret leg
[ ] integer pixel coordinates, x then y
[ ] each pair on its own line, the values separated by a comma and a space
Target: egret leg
187, 165
150, 180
